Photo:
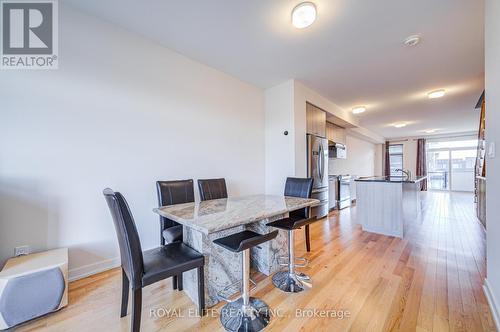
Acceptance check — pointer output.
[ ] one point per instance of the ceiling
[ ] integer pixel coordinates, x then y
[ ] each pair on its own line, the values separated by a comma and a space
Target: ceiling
353, 54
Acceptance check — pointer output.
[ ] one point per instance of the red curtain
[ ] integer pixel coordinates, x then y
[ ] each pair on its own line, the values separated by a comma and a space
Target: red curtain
387, 169
422, 162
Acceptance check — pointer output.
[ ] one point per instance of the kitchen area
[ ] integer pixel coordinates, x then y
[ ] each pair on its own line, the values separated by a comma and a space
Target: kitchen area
336, 157
347, 170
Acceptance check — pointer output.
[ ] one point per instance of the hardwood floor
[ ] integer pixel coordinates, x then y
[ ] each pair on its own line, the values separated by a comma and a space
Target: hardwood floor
429, 281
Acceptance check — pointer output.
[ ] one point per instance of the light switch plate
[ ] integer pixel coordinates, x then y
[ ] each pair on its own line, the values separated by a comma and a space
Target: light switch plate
491, 150
22, 250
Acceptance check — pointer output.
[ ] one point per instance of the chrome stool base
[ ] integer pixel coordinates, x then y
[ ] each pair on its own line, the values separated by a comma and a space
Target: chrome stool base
291, 283
254, 318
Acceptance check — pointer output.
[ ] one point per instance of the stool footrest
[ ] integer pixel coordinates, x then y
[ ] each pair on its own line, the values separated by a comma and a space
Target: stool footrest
283, 261
228, 293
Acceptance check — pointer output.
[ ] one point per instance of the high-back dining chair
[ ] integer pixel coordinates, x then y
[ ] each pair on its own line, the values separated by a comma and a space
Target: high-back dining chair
212, 189
170, 193
140, 269
298, 187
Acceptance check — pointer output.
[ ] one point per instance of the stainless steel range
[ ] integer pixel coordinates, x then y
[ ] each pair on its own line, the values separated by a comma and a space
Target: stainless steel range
340, 192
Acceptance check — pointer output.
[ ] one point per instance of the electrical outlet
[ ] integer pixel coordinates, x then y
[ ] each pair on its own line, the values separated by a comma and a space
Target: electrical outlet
22, 250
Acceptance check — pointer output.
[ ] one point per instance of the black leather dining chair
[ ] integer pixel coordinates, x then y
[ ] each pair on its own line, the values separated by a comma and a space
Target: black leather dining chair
300, 187
170, 193
143, 268
212, 189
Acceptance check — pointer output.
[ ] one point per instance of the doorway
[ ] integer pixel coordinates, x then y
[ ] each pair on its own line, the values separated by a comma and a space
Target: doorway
450, 164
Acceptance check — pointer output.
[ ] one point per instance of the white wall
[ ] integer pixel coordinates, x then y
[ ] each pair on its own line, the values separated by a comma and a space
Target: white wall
280, 151
361, 159
379, 160
492, 77
121, 112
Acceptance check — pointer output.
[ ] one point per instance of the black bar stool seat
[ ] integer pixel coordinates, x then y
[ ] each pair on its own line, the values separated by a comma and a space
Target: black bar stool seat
291, 223
245, 313
244, 240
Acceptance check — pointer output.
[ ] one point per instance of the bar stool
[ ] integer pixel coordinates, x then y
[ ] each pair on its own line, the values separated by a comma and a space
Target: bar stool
244, 313
290, 281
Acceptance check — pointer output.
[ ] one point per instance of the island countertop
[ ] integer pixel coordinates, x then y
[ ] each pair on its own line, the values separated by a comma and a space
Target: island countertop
219, 214
393, 179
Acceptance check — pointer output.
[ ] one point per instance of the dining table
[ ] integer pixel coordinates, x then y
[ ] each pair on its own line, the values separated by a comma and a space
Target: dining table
205, 221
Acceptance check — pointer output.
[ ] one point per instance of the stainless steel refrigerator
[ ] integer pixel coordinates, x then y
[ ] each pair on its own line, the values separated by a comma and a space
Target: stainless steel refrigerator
317, 168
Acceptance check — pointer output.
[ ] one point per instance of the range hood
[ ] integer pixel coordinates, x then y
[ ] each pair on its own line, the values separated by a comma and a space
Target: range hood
336, 150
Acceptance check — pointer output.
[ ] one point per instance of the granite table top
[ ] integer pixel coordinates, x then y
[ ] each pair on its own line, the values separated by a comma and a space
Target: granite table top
219, 214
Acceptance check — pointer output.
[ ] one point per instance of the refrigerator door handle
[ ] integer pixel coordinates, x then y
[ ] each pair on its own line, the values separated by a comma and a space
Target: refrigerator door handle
309, 157
322, 168
323, 164
319, 163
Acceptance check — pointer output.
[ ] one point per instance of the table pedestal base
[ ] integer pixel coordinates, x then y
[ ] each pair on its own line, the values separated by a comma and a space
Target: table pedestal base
223, 267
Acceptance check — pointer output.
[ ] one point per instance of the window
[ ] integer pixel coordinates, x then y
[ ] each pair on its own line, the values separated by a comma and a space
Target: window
396, 159
450, 164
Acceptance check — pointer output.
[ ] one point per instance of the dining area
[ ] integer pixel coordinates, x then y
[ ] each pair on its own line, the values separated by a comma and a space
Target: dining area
211, 247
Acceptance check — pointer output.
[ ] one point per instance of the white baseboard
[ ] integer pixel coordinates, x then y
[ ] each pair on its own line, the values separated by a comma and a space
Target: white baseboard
88, 270
494, 306
381, 230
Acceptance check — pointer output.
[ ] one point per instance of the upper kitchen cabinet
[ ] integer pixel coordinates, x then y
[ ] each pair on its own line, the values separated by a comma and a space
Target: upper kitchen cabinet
335, 133
316, 120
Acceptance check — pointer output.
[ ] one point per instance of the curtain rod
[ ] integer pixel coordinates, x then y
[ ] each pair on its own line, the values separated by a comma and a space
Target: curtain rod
431, 138
399, 140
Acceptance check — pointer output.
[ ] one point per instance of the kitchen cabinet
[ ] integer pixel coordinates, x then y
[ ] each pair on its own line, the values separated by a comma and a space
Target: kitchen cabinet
316, 120
335, 133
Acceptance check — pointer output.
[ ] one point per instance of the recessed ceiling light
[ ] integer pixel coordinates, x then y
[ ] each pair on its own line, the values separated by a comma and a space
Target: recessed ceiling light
412, 40
400, 125
436, 94
303, 15
430, 131
358, 109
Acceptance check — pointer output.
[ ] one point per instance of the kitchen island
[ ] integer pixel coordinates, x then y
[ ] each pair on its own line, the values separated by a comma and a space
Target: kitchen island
203, 222
386, 204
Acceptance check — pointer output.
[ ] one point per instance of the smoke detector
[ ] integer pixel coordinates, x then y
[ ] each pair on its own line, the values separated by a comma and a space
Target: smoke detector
412, 40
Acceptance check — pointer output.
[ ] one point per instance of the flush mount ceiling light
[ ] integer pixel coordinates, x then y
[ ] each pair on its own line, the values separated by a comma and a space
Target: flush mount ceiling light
303, 15
412, 40
400, 125
436, 94
358, 109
